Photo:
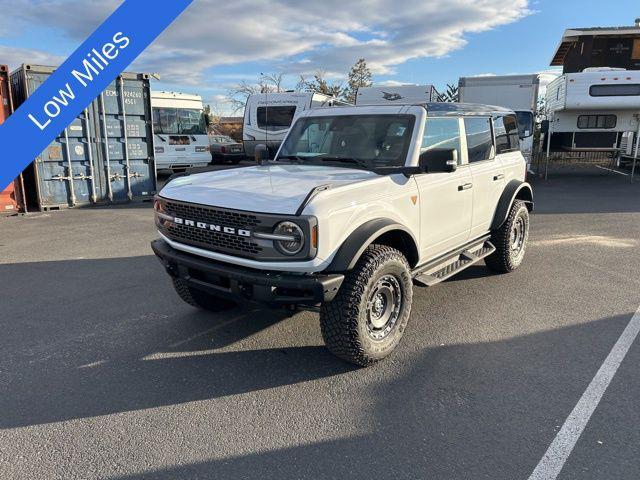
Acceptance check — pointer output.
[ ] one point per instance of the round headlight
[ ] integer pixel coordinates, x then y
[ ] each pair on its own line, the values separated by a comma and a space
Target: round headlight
294, 241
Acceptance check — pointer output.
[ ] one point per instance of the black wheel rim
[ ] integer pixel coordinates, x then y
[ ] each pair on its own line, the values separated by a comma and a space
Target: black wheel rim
383, 307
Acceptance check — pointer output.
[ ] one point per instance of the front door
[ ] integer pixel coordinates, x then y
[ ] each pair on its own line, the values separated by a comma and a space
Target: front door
445, 197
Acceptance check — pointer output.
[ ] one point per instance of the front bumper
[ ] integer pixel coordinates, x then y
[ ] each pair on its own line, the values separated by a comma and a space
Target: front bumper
240, 283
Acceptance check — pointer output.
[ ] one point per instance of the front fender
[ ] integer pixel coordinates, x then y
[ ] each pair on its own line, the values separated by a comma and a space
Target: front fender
358, 241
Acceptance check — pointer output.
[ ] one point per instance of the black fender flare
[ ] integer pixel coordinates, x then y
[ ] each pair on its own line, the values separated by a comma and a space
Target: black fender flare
514, 189
357, 242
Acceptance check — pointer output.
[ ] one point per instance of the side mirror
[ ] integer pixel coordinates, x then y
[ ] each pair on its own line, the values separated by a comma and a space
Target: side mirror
439, 160
544, 126
261, 153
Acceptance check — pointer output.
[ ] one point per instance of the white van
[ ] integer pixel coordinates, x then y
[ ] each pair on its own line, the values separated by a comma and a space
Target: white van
400, 95
180, 131
268, 116
516, 92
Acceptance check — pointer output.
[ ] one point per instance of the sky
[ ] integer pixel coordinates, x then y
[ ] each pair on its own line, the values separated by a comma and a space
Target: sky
216, 44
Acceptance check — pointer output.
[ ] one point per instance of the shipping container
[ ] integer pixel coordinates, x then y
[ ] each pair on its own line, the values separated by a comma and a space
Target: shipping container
11, 199
105, 155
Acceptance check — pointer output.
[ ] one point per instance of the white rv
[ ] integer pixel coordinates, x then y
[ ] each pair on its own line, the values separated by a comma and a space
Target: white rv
516, 92
592, 109
268, 116
180, 131
400, 95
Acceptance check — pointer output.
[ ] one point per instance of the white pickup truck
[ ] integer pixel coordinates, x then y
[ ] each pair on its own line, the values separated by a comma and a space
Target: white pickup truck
359, 205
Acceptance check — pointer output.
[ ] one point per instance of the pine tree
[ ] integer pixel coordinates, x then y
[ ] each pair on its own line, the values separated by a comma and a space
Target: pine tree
452, 94
359, 76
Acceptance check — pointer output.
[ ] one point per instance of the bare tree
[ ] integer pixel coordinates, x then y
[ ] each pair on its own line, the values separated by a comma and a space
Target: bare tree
267, 83
319, 84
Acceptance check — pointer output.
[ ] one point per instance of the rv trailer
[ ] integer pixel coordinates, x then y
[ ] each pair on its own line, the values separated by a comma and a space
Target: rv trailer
516, 92
268, 116
400, 95
590, 110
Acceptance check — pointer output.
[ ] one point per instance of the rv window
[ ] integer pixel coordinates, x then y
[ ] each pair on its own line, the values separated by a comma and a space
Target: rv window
622, 90
597, 121
276, 117
479, 138
441, 133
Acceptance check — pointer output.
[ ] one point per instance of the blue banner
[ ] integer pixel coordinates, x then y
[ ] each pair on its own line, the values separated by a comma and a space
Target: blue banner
80, 79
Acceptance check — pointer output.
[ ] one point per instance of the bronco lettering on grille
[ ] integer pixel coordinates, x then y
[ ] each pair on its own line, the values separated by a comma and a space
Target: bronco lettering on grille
214, 228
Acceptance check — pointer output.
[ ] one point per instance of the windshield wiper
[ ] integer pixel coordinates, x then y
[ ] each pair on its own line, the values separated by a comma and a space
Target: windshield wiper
354, 161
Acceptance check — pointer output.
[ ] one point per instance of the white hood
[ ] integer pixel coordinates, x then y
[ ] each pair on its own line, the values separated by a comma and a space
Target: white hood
265, 189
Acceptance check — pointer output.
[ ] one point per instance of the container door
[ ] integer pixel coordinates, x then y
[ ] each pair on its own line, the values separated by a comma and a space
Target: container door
65, 169
125, 126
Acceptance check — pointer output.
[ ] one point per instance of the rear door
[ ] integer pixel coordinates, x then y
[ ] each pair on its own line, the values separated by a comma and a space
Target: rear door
486, 171
445, 197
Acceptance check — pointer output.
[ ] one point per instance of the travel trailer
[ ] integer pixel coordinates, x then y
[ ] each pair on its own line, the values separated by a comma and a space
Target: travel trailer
400, 95
180, 131
590, 110
516, 92
268, 116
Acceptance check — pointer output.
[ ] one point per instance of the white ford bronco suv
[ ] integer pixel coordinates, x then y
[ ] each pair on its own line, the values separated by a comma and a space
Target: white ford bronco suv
359, 205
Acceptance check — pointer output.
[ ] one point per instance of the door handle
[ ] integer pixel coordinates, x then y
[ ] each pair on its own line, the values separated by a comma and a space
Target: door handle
498, 177
466, 186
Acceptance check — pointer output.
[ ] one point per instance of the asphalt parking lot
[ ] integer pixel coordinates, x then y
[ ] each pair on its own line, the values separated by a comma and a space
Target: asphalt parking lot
105, 373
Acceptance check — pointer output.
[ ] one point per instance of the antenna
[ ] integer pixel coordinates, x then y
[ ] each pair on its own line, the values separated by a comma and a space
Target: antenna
266, 114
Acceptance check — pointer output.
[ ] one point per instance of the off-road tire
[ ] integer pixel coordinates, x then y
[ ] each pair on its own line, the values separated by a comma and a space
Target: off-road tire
199, 299
343, 321
505, 259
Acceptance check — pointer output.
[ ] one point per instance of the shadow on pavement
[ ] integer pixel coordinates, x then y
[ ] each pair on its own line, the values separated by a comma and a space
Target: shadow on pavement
460, 411
98, 350
586, 194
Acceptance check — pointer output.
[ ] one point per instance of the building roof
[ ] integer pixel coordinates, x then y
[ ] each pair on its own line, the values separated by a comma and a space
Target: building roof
572, 35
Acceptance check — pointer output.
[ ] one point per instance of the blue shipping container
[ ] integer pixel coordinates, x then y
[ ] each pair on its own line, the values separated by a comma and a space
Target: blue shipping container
105, 155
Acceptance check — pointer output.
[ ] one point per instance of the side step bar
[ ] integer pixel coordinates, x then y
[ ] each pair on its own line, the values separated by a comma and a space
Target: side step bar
450, 264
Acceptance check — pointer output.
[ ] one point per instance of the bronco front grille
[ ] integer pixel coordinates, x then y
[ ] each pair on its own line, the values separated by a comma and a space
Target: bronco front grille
211, 240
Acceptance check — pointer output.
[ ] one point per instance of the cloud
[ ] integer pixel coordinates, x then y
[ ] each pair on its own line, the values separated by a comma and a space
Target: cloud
15, 57
296, 35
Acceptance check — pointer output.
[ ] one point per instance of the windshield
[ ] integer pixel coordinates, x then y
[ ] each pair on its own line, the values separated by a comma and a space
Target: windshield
179, 121
367, 141
525, 124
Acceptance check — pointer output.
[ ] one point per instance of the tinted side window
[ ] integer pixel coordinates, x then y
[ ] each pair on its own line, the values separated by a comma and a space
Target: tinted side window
502, 139
597, 121
276, 118
479, 138
441, 133
511, 124
622, 90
